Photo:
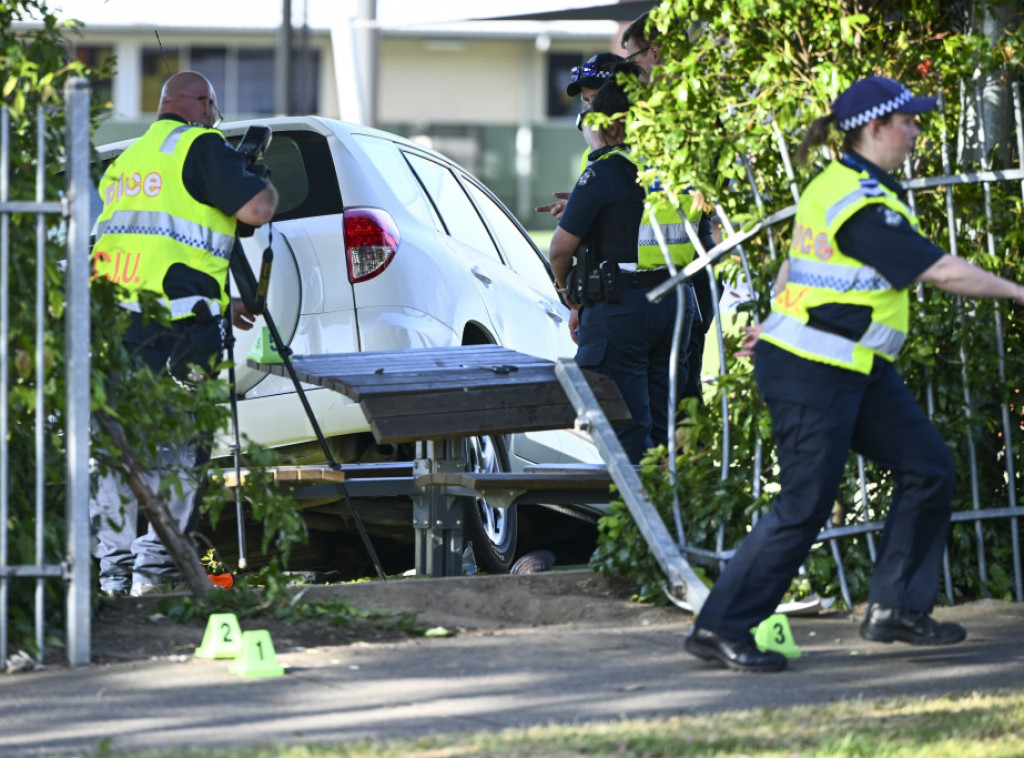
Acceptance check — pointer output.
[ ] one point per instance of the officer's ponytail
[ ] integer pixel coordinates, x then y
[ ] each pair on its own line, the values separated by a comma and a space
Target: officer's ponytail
817, 134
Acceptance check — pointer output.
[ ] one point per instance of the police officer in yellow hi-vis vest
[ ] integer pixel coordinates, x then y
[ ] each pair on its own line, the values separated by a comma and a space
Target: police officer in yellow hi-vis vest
171, 202
823, 361
621, 334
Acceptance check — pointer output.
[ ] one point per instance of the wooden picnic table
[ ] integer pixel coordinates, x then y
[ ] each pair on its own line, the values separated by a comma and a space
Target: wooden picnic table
436, 397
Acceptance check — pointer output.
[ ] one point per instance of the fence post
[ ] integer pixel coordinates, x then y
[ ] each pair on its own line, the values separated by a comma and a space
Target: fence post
79, 188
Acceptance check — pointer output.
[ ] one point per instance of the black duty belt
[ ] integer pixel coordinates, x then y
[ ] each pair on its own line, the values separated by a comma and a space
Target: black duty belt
650, 278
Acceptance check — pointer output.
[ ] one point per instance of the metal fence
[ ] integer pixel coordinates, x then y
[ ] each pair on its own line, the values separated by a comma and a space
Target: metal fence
72, 568
733, 244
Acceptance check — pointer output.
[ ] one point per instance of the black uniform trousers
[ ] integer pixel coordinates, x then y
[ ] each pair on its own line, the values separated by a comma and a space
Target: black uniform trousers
630, 341
819, 414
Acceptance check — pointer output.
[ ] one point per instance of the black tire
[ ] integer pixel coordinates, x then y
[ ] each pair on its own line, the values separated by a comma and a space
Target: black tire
492, 531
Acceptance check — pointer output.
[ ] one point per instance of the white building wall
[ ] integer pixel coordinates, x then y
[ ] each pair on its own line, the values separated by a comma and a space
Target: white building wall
451, 81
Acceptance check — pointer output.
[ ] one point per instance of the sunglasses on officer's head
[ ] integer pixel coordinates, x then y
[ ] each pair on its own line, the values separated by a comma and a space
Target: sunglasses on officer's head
589, 71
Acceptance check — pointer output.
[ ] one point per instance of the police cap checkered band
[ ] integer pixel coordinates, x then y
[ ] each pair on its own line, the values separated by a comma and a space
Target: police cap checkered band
593, 73
875, 97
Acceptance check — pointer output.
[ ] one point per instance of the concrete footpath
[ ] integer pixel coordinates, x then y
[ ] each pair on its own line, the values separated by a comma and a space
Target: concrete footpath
587, 670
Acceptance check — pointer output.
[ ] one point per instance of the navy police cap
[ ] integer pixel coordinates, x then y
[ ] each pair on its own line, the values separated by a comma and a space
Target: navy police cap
592, 74
874, 97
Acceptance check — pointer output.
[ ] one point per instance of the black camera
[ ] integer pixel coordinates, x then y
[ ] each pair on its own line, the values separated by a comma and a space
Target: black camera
254, 144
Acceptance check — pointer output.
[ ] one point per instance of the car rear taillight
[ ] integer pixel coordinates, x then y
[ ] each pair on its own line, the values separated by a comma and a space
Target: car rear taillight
371, 239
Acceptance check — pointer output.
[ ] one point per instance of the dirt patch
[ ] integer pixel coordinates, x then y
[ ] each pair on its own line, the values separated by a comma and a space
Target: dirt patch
133, 629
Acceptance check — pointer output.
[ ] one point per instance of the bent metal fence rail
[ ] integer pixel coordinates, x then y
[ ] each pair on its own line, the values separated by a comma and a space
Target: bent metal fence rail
73, 568
733, 244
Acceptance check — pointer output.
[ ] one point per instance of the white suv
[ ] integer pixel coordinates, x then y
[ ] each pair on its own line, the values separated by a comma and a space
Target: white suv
382, 244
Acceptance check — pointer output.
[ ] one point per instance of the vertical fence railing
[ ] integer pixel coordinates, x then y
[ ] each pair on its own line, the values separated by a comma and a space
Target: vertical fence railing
873, 512
73, 568
77, 331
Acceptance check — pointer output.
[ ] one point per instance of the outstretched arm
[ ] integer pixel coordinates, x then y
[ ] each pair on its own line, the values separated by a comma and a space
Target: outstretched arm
957, 276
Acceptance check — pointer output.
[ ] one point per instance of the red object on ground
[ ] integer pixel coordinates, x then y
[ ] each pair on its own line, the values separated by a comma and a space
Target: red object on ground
224, 581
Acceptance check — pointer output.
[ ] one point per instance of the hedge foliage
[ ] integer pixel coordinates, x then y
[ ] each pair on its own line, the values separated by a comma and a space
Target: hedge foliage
741, 81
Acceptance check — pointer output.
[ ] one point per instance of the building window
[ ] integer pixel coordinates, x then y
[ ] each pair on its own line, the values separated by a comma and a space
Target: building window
211, 62
559, 75
255, 86
156, 68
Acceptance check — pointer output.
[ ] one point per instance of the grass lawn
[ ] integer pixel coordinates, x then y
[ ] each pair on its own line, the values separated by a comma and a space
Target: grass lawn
963, 726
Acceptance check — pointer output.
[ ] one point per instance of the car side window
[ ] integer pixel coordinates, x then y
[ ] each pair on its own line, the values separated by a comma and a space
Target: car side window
518, 249
386, 156
457, 212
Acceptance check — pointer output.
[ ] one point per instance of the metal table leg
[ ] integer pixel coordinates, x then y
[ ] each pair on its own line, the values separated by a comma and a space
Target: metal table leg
436, 515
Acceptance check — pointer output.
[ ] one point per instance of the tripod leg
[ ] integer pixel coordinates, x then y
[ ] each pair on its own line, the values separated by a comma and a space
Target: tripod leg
236, 446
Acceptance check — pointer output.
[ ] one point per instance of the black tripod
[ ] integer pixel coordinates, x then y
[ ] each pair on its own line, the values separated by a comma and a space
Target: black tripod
254, 295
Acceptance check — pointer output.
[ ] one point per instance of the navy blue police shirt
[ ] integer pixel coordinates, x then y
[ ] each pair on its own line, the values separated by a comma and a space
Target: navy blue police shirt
605, 207
213, 174
882, 239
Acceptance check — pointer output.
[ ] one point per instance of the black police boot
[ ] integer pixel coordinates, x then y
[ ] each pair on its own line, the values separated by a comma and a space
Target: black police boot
883, 623
739, 655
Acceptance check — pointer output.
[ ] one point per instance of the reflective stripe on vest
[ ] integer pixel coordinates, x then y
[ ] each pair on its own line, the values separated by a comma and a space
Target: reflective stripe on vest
839, 350
179, 307
868, 188
821, 274
841, 278
170, 142
150, 223
160, 224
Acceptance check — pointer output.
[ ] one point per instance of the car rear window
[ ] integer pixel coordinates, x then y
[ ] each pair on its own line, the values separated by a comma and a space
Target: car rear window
302, 170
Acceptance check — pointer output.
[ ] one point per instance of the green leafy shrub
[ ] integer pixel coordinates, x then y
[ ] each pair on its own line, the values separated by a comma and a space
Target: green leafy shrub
739, 83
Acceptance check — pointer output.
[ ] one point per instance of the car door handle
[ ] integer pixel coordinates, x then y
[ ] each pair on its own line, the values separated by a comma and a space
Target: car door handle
553, 314
479, 274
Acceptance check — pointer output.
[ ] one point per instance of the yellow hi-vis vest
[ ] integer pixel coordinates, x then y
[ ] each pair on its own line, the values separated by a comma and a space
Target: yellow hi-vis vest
819, 273
150, 222
672, 229
649, 253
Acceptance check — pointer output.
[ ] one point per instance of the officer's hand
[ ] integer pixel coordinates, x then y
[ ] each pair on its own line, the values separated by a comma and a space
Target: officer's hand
556, 208
574, 323
240, 316
747, 346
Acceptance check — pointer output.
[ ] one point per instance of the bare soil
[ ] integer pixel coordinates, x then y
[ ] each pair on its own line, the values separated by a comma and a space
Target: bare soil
132, 629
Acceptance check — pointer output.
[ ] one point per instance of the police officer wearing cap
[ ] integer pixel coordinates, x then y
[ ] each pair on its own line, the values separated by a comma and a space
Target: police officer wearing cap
621, 334
171, 203
823, 361
585, 81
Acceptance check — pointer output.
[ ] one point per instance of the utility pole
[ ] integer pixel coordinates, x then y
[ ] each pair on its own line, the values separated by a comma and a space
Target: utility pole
366, 40
283, 62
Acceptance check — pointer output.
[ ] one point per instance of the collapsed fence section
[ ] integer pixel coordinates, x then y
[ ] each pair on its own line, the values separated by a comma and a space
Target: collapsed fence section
53, 431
